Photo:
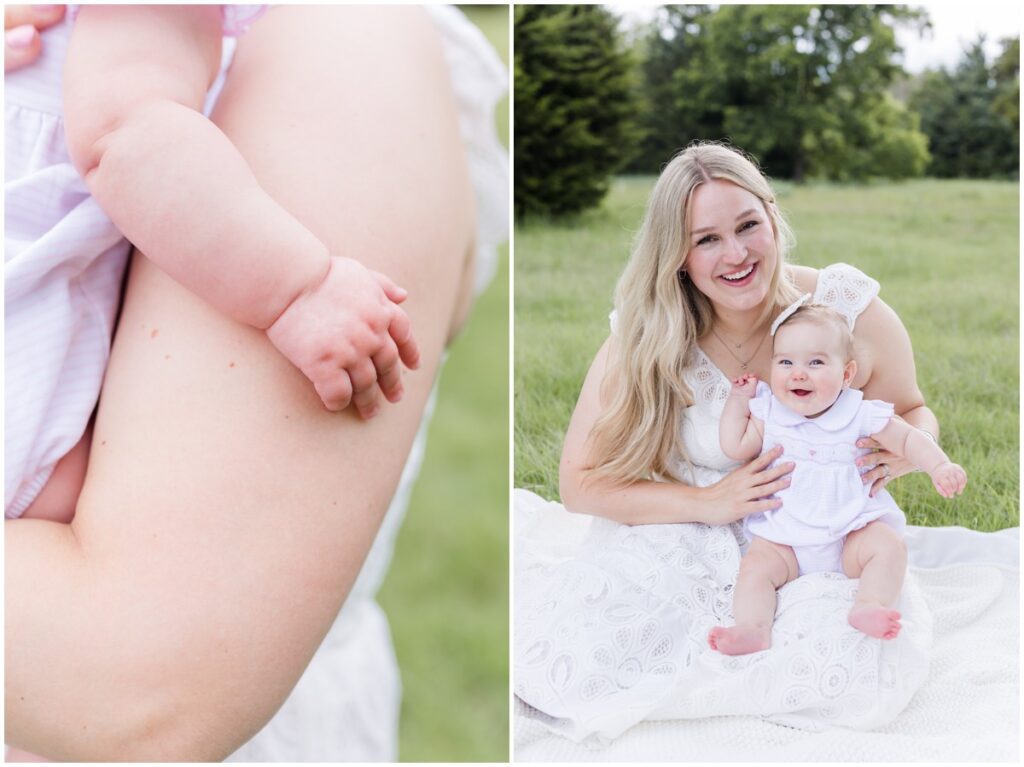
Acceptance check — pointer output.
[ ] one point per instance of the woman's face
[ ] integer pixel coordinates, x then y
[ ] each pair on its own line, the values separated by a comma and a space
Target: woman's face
732, 254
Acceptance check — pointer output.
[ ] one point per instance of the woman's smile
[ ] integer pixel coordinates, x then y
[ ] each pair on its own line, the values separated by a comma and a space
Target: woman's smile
740, 277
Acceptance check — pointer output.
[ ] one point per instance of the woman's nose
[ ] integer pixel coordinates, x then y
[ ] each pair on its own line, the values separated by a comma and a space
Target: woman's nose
735, 253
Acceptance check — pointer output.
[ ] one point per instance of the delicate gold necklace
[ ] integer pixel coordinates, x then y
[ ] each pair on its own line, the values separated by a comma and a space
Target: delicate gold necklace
743, 362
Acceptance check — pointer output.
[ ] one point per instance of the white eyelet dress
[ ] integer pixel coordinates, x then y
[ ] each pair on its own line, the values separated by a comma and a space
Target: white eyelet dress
616, 634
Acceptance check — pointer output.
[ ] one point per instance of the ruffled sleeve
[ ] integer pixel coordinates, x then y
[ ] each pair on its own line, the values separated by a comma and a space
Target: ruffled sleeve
875, 414
846, 289
760, 403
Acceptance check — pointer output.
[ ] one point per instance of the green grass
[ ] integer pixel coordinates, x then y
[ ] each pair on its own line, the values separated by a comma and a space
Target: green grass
446, 595
945, 252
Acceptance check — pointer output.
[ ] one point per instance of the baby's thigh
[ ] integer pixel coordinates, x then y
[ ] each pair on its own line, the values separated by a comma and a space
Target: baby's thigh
767, 559
876, 539
56, 502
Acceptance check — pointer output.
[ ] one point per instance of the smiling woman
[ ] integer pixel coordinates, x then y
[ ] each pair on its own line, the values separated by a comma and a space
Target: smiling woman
693, 309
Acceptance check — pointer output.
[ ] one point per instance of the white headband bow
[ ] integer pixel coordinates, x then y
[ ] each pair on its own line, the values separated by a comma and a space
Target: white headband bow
788, 311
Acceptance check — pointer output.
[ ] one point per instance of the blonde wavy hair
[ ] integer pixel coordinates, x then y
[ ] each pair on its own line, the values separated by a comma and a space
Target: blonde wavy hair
660, 318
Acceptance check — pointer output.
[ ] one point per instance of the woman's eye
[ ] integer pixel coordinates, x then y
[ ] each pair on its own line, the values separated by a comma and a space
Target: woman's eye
706, 239
748, 225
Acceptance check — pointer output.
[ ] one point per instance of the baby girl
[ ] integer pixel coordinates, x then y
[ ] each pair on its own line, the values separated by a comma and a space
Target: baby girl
106, 139
828, 520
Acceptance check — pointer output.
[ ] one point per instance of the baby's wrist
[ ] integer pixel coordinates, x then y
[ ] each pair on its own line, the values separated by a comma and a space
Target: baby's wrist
290, 295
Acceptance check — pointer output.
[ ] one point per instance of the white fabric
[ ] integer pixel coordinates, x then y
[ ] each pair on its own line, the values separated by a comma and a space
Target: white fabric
846, 289
827, 499
345, 707
966, 710
616, 633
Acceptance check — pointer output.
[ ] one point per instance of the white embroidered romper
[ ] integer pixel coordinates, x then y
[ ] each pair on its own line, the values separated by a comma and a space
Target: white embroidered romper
826, 500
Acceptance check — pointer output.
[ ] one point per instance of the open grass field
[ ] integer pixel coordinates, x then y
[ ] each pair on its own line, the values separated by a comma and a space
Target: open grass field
945, 252
446, 595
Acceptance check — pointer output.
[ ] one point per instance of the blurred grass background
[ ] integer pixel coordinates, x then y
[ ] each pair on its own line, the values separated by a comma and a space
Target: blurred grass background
945, 251
446, 595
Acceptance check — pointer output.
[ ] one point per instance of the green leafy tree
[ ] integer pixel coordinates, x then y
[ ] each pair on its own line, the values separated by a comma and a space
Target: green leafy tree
802, 87
972, 130
575, 102
670, 44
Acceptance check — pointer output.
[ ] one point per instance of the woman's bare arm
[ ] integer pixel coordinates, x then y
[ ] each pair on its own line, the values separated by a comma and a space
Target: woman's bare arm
885, 341
647, 501
225, 513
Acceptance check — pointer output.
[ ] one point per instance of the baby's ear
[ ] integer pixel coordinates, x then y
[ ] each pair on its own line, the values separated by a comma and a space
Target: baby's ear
849, 372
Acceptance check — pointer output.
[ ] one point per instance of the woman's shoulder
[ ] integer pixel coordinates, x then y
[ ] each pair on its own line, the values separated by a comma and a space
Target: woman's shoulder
804, 277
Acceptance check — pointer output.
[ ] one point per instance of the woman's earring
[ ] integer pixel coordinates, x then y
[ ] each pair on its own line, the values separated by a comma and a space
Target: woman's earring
682, 275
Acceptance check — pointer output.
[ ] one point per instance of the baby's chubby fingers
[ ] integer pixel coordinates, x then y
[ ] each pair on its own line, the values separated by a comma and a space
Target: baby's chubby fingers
336, 391
38, 16
400, 331
22, 46
389, 372
392, 289
365, 392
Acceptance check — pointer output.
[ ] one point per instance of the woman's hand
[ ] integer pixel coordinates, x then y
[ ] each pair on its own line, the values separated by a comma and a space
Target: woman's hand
746, 490
22, 44
885, 465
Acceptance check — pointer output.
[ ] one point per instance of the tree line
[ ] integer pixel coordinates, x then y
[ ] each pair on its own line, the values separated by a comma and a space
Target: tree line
811, 91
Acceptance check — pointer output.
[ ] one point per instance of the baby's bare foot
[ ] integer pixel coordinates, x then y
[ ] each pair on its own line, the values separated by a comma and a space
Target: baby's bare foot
740, 640
875, 621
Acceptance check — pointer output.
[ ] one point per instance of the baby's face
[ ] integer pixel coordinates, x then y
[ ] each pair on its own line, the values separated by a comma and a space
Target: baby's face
809, 367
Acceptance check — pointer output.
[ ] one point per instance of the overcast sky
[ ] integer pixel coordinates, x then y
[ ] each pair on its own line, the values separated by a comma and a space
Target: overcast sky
954, 26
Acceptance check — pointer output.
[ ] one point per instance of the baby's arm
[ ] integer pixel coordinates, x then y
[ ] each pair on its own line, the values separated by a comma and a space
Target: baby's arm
740, 433
901, 438
179, 190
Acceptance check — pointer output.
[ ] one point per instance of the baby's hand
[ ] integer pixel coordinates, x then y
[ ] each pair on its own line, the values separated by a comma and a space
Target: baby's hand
347, 335
745, 385
949, 479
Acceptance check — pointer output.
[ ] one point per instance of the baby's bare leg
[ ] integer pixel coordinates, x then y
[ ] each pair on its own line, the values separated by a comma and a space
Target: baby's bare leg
765, 568
17, 755
878, 556
56, 502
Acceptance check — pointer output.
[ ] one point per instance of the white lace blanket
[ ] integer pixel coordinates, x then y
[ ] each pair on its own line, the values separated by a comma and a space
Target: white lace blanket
610, 651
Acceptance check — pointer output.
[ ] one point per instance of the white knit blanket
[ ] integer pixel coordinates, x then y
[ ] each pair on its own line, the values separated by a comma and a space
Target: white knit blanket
952, 693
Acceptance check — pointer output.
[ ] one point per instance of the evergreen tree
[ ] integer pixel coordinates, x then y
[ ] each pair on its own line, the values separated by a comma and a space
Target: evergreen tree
574, 107
972, 130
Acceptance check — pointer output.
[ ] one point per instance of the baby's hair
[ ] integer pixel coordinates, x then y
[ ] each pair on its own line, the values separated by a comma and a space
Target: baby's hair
820, 314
